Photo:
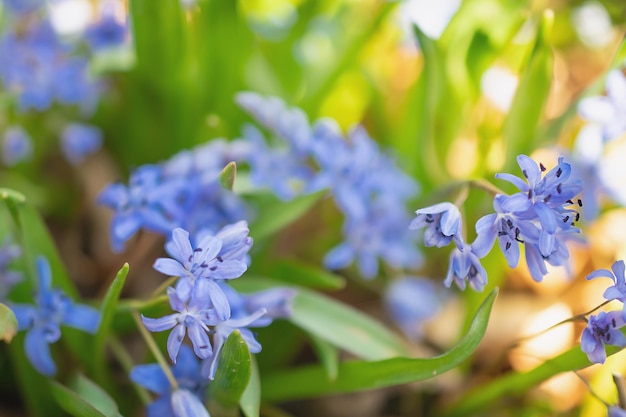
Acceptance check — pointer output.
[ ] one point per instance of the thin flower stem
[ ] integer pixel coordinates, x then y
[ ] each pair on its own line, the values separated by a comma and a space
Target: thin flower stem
484, 185
161, 288
126, 361
578, 317
591, 391
133, 305
620, 384
155, 350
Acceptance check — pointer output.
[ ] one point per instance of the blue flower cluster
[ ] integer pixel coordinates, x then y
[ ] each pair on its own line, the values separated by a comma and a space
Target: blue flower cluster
603, 329
41, 68
183, 191
43, 320
540, 217
366, 185
207, 309
605, 118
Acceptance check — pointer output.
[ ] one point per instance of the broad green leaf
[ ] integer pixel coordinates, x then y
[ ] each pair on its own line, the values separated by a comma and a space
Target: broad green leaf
233, 371
516, 383
521, 124
345, 327
276, 216
95, 395
109, 307
84, 399
8, 323
306, 275
312, 381
227, 175
250, 401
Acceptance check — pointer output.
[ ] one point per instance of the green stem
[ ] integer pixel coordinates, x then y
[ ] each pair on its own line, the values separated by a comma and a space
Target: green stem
155, 351
126, 361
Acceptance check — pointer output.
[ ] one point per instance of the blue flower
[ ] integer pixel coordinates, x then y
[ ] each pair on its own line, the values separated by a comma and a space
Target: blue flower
147, 202
410, 302
616, 411
193, 318
79, 141
618, 290
609, 112
17, 146
42, 321
601, 330
538, 217
106, 33
465, 268
192, 386
8, 277
442, 223
206, 261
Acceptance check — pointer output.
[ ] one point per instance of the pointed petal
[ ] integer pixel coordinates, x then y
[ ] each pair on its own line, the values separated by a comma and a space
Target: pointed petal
170, 267
182, 245
530, 169
601, 273
38, 352
174, 340
82, 317
160, 324
200, 340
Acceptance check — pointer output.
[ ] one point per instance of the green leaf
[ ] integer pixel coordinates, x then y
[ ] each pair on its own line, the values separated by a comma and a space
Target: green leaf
274, 217
84, 399
311, 381
227, 176
109, 307
250, 401
517, 383
8, 323
306, 275
73, 403
233, 371
345, 327
521, 124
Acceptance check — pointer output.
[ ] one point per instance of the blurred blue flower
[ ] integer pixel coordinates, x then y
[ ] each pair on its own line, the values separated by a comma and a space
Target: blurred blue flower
39, 69
42, 321
192, 386
147, 202
79, 141
608, 112
383, 234
107, 32
601, 330
442, 223
22, 7
193, 318
277, 302
618, 290
616, 411
17, 146
465, 268
8, 277
411, 301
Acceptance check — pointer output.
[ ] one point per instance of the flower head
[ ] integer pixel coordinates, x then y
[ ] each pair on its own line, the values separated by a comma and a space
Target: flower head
601, 330
193, 318
465, 268
79, 141
618, 290
42, 322
442, 223
17, 146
